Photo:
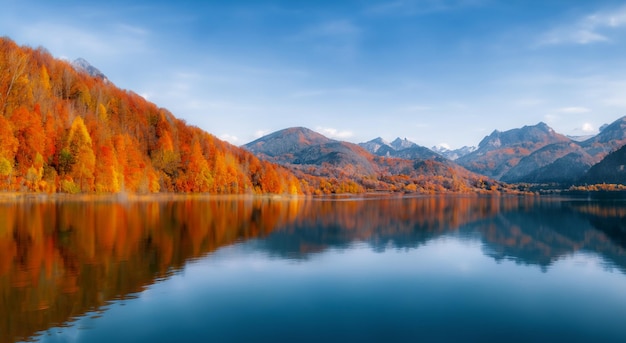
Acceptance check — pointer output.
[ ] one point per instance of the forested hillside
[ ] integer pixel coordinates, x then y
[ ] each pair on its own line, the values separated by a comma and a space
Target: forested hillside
65, 131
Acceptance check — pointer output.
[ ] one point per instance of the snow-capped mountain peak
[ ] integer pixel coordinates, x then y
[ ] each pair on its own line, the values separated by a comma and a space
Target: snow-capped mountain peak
452, 154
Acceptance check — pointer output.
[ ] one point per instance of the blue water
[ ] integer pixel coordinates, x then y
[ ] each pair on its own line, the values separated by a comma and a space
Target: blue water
533, 271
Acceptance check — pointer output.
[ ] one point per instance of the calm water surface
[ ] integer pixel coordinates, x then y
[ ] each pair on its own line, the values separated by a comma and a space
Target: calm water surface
254, 270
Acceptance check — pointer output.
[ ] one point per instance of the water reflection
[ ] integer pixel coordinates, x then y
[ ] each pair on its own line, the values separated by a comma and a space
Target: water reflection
61, 260
545, 232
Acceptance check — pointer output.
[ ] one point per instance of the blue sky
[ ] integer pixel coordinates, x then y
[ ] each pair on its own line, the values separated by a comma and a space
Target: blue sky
433, 71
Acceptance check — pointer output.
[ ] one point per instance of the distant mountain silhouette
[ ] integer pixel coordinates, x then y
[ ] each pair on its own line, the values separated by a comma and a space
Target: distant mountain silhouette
413, 168
565, 170
402, 143
401, 148
453, 154
539, 166
376, 144
531, 154
283, 144
501, 151
302, 146
566, 162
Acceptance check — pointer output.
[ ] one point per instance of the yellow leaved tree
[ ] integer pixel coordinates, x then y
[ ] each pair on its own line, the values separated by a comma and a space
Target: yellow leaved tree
81, 158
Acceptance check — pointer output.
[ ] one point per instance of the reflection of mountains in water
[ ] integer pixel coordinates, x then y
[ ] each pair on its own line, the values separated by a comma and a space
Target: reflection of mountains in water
59, 261
546, 233
527, 231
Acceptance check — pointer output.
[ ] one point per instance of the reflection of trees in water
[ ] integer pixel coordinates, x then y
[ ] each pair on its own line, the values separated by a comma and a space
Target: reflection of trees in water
61, 260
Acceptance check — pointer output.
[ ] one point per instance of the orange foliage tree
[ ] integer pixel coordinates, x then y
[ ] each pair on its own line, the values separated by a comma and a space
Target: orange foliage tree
63, 130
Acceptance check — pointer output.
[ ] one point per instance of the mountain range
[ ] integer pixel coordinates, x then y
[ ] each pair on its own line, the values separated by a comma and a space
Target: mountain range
398, 166
537, 154
453, 154
531, 154
401, 148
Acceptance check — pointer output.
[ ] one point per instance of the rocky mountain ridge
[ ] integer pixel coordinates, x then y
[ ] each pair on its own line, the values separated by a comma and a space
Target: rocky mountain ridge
81, 65
453, 154
531, 154
412, 168
400, 148
537, 154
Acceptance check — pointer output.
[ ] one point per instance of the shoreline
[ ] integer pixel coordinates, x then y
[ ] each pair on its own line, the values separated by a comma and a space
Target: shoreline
31, 197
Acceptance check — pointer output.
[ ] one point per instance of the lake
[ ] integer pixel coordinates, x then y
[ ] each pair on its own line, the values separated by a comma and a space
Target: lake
421, 269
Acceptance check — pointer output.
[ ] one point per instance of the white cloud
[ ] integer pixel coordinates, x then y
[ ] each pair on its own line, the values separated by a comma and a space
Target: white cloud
334, 133
229, 138
550, 118
573, 110
260, 133
594, 28
133, 30
614, 18
571, 35
588, 127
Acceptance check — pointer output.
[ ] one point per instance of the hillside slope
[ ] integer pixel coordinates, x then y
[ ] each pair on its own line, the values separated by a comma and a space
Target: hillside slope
499, 152
612, 169
63, 130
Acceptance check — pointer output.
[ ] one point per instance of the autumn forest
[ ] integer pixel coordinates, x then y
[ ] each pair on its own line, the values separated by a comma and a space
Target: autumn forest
65, 131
